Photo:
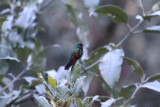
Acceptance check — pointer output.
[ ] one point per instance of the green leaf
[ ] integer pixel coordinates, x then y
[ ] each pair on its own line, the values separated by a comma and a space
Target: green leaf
38, 59
3, 67
94, 56
42, 101
79, 102
109, 102
72, 15
78, 85
128, 102
153, 29
32, 81
68, 102
63, 92
104, 84
76, 69
45, 83
1, 21
149, 16
3, 3
52, 82
115, 13
135, 65
126, 91
23, 53
86, 101
154, 77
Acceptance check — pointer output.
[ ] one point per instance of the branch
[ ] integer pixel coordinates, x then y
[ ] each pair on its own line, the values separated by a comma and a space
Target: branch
25, 98
129, 33
132, 96
90, 66
16, 78
142, 8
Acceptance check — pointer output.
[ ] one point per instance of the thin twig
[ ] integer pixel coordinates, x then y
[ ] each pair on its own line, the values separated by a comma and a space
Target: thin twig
136, 32
92, 65
129, 33
24, 98
16, 78
132, 96
142, 8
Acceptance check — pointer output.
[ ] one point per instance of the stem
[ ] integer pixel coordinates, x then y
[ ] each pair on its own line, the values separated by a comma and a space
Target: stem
92, 65
16, 78
142, 8
129, 33
132, 96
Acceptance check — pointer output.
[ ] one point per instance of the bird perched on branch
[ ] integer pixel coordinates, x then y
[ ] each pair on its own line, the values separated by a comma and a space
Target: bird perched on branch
77, 52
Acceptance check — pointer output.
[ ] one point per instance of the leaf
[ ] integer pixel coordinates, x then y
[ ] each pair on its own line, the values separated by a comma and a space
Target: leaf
110, 66
104, 84
10, 58
135, 65
42, 101
128, 102
76, 69
52, 82
115, 13
31, 80
4, 66
149, 16
153, 29
41, 77
155, 85
154, 77
86, 101
53, 103
68, 101
87, 80
94, 56
109, 102
1, 21
27, 16
23, 53
63, 92
155, 7
45, 83
38, 59
78, 85
40, 89
9, 97
126, 91
79, 102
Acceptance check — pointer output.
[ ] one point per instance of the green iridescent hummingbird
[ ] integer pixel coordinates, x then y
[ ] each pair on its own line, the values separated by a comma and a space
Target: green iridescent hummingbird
77, 52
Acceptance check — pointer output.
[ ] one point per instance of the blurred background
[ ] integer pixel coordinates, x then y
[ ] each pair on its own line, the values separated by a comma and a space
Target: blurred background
59, 29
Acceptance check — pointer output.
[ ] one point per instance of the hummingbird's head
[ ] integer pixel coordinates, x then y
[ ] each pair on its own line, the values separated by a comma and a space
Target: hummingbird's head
79, 45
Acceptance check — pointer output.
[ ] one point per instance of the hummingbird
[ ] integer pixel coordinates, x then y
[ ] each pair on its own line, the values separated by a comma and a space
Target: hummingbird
76, 54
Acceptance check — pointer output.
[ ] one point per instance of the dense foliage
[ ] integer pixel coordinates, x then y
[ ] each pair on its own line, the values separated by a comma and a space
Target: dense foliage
18, 43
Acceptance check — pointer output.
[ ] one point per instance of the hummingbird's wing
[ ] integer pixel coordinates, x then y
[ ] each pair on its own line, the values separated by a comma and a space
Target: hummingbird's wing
74, 57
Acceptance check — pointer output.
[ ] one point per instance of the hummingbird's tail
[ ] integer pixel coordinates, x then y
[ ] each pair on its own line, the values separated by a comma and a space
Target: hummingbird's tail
68, 65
